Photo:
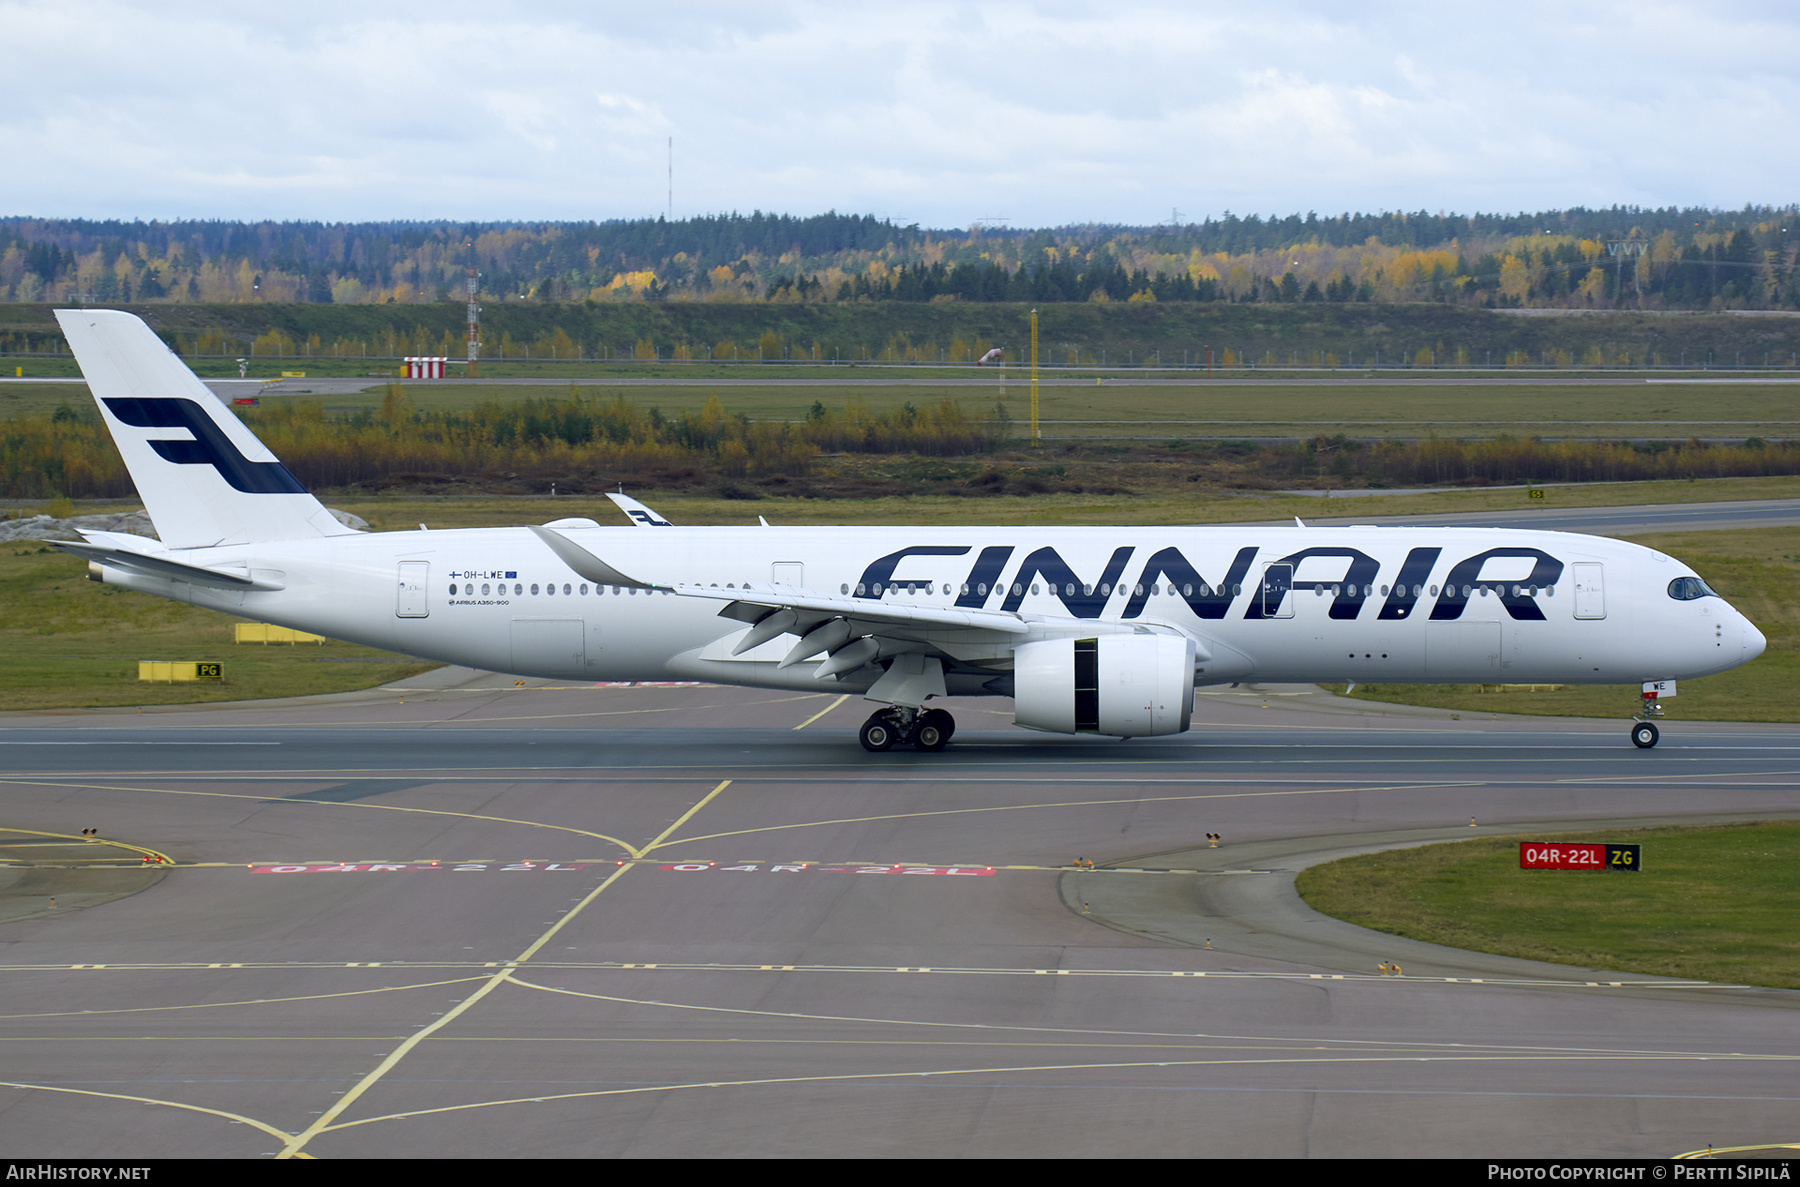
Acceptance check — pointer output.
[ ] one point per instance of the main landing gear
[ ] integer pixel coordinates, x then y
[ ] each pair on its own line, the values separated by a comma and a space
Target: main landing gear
929, 731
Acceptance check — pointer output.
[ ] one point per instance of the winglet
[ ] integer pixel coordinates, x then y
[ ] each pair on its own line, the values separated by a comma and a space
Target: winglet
586, 563
639, 514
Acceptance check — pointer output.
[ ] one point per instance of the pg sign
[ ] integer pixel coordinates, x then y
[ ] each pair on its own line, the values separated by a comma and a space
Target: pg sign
1564, 855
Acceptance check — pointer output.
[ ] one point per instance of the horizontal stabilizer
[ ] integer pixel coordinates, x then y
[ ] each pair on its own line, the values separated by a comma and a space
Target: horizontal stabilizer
152, 564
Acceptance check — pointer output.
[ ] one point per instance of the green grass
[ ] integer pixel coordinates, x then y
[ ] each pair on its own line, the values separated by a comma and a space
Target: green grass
1756, 570
1184, 506
1712, 903
1161, 503
1223, 409
71, 643
41, 399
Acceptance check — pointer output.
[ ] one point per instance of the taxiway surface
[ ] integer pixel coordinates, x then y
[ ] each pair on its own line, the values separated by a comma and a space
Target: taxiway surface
698, 921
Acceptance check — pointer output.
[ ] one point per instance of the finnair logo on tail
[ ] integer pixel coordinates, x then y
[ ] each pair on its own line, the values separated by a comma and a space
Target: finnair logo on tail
209, 445
643, 516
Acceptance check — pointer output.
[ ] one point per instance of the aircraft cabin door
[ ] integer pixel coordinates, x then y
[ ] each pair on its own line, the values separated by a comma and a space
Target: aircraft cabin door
1590, 590
414, 577
1277, 581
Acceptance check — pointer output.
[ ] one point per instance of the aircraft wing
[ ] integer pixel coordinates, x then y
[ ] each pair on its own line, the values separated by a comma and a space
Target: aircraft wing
758, 600
852, 630
124, 551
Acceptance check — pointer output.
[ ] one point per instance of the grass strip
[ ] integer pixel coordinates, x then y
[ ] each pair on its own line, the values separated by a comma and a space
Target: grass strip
1712, 903
72, 643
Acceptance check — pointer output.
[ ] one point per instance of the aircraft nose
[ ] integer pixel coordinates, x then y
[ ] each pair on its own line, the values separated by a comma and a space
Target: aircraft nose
1753, 641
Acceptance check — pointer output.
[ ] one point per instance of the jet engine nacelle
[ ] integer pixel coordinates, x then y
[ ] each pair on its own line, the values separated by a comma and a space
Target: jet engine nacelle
1125, 686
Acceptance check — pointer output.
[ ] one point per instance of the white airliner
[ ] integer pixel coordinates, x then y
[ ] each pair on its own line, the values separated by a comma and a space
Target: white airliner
1090, 630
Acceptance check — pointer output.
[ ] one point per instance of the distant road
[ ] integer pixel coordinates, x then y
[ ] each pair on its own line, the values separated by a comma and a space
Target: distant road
909, 375
1601, 521
1015, 378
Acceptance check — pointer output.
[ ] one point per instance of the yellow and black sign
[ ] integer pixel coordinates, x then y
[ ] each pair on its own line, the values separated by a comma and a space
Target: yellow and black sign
179, 672
1535, 493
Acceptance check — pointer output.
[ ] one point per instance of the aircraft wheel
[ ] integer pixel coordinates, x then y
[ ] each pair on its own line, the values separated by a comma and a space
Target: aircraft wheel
934, 730
1644, 735
878, 734
930, 736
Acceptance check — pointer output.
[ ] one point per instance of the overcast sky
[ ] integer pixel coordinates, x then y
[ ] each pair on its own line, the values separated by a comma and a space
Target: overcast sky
941, 114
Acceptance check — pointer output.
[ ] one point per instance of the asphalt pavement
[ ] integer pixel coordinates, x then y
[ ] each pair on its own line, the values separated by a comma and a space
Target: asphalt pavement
464, 918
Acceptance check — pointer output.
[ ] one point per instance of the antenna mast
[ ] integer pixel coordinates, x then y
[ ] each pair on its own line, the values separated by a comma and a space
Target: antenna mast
1036, 437
473, 283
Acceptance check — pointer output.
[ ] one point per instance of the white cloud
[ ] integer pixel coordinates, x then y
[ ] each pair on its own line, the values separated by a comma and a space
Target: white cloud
938, 113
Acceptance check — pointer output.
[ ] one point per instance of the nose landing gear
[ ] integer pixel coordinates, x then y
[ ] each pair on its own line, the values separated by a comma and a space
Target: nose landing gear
929, 731
1643, 731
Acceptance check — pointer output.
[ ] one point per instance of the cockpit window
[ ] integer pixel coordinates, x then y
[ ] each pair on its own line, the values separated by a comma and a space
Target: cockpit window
1686, 589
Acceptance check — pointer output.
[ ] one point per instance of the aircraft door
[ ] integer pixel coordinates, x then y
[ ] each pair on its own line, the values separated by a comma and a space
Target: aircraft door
1277, 581
411, 601
1465, 649
548, 646
1590, 590
788, 573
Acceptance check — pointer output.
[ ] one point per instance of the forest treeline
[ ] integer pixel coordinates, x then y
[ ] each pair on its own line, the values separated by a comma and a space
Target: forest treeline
579, 445
1618, 257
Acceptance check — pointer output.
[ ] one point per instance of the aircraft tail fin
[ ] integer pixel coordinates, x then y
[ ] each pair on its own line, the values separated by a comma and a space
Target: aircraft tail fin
203, 476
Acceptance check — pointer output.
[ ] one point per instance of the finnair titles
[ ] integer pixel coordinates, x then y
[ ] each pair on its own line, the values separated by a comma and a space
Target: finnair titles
1089, 630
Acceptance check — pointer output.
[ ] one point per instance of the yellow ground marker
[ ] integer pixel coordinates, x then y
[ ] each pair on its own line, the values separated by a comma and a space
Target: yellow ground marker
823, 712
